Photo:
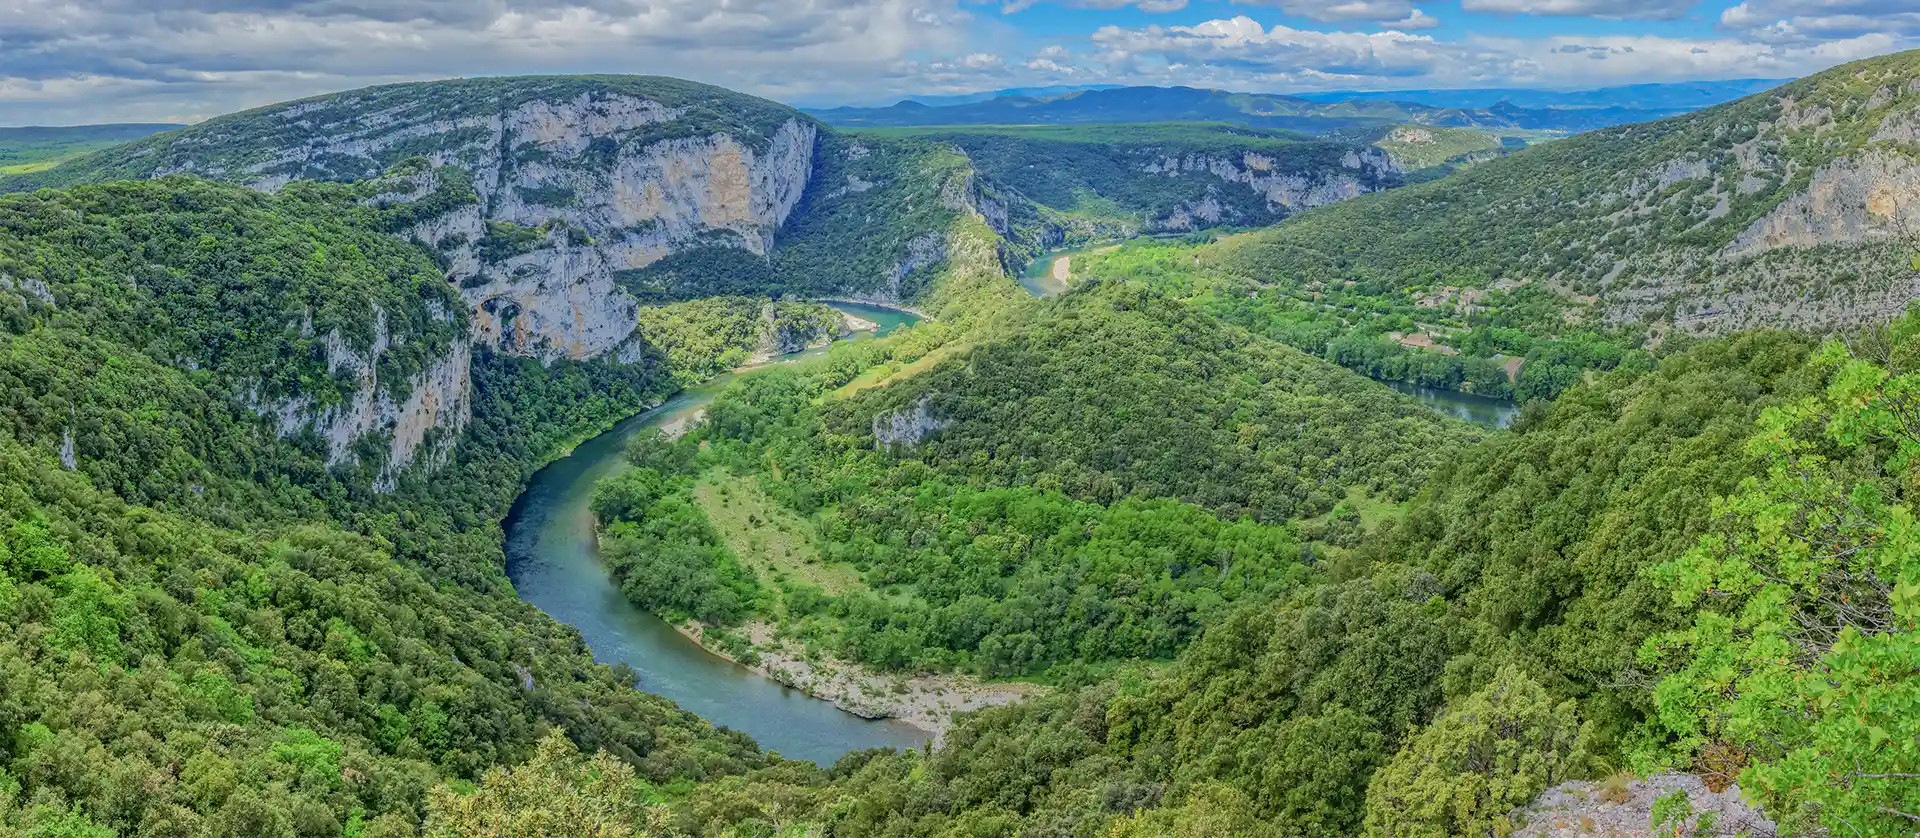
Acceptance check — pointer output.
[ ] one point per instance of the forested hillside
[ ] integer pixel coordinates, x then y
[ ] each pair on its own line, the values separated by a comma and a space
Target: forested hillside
214, 629
1783, 209
1117, 391
1093, 479
256, 445
1538, 600
1520, 342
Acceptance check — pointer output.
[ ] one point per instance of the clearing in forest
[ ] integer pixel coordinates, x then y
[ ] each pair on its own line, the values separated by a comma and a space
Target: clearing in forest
776, 542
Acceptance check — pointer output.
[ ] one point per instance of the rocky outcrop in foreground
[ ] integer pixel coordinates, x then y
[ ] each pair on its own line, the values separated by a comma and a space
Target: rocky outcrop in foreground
1625, 810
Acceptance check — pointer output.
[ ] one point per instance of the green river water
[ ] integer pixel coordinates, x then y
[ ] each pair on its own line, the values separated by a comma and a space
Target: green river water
553, 565
552, 562
1480, 410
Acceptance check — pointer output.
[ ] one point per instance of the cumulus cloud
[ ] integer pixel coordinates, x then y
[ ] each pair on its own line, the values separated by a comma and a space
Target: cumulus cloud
1632, 59
1604, 9
1810, 20
1416, 20
151, 59
1339, 11
1148, 6
1243, 42
130, 60
1242, 54
1399, 12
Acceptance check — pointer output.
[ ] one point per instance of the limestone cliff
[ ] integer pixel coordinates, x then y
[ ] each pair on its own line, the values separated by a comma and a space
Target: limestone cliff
536, 194
1832, 243
1793, 209
570, 180
579, 181
434, 404
1284, 189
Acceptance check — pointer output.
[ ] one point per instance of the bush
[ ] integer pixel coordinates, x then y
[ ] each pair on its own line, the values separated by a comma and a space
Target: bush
1483, 758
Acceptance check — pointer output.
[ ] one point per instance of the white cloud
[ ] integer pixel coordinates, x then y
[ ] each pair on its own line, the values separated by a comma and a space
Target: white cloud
138, 60
1811, 20
1414, 21
1604, 9
1241, 54
1376, 11
1241, 47
1335, 11
1148, 6
1601, 61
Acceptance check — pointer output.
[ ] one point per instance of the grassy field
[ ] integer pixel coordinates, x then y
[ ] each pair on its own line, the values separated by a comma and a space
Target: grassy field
885, 374
33, 149
769, 538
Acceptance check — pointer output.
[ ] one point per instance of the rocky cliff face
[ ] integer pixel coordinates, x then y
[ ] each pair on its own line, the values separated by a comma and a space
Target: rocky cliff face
1823, 196
586, 191
1283, 189
435, 404
535, 193
908, 427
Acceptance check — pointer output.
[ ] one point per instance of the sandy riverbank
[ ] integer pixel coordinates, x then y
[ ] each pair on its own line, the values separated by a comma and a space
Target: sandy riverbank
926, 701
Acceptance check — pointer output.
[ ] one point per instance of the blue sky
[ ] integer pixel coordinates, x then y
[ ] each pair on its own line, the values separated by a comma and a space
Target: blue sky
70, 61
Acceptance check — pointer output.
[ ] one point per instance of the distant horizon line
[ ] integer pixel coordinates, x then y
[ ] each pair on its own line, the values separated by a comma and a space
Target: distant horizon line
1005, 92
989, 95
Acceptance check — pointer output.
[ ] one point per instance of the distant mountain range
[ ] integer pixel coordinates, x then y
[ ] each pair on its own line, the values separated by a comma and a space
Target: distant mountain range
1684, 96
1512, 109
985, 95
1186, 104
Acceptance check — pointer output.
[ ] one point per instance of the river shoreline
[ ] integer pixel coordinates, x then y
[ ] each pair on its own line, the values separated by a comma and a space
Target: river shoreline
1051, 273
850, 301
549, 537
927, 701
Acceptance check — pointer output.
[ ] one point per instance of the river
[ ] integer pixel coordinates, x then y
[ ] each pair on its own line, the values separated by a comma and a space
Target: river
552, 562
1042, 280
1480, 410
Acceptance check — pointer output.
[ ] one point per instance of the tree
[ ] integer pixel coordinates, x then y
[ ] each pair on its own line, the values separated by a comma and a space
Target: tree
557, 794
1483, 758
1802, 662
1210, 811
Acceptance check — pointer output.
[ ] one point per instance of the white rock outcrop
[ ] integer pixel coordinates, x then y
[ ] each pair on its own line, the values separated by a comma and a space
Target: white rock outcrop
584, 172
1625, 810
438, 399
1874, 195
1284, 191
908, 426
